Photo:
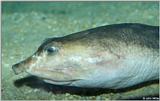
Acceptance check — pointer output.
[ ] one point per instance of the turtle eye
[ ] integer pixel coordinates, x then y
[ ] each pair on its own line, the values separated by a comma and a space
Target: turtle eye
51, 50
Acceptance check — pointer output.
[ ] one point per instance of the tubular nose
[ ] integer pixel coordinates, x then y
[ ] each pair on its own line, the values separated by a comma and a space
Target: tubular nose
17, 69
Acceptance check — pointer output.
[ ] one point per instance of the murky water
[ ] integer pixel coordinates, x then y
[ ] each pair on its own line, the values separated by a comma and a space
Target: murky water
26, 25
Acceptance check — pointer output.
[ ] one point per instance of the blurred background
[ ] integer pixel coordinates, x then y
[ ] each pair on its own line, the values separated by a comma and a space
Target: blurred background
26, 24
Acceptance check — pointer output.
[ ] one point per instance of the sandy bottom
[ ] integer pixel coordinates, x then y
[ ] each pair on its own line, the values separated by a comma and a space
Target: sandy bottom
25, 26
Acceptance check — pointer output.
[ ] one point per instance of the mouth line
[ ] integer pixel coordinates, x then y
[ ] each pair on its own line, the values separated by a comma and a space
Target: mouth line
72, 80
50, 78
60, 82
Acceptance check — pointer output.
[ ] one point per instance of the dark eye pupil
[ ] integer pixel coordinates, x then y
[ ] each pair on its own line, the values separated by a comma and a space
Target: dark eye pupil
50, 50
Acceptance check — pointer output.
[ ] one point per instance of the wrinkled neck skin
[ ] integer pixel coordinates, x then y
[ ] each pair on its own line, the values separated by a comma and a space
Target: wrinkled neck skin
122, 67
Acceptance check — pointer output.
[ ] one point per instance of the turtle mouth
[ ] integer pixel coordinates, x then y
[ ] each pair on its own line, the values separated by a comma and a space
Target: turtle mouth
53, 77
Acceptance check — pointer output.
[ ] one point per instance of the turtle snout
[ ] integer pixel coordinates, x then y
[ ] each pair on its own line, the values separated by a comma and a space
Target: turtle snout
22, 65
17, 68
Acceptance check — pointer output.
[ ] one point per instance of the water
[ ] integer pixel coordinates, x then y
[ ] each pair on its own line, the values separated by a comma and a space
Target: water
26, 24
